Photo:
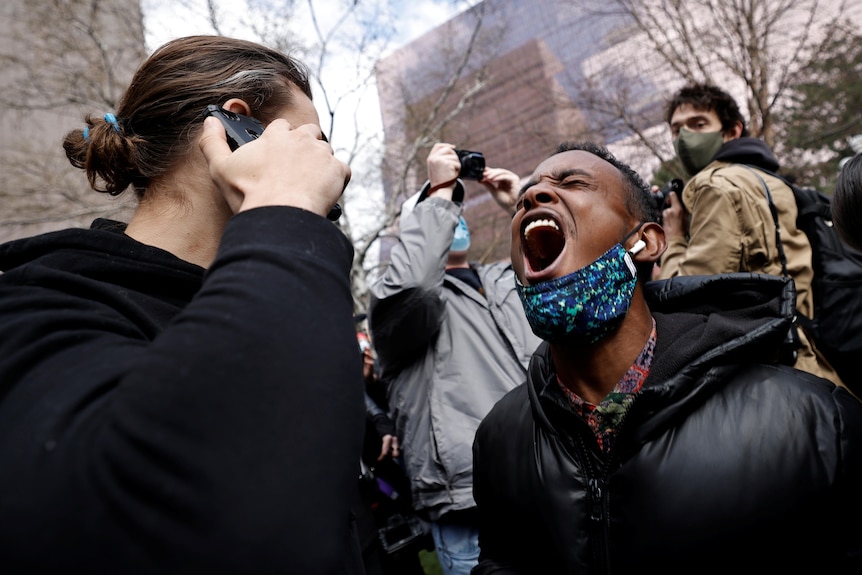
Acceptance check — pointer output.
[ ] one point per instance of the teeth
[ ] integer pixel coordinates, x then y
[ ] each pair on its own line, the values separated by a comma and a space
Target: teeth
540, 223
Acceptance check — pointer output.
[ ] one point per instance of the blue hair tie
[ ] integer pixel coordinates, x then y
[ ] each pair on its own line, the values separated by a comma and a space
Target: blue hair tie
112, 120
87, 134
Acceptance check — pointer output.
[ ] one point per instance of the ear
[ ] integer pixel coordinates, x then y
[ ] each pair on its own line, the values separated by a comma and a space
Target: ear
237, 106
733, 133
652, 235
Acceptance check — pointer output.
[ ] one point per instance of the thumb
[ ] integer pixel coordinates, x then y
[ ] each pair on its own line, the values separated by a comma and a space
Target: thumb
213, 141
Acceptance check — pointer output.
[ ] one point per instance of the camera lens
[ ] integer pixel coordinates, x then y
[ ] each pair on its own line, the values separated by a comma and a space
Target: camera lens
472, 165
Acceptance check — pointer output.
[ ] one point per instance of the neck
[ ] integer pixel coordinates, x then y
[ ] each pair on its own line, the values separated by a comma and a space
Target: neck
457, 260
184, 215
593, 371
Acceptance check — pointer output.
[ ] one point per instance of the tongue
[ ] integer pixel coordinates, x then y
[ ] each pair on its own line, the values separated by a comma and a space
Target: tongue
542, 246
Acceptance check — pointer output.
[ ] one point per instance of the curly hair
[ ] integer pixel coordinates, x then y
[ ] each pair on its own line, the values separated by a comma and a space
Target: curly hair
707, 97
639, 201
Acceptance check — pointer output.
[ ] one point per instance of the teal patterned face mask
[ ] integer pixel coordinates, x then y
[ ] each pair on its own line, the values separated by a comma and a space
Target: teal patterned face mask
586, 305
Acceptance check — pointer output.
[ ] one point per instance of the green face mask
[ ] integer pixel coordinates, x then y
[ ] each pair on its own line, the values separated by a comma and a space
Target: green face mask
697, 149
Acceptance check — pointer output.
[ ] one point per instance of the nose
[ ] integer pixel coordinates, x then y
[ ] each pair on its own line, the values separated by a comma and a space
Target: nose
538, 195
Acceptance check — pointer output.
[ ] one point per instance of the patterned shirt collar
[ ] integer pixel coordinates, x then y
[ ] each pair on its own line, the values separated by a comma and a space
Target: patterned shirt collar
604, 419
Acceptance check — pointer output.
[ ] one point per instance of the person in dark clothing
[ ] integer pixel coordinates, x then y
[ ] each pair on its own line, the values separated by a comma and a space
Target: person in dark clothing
388, 513
182, 393
724, 223
847, 202
384, 489
655, 432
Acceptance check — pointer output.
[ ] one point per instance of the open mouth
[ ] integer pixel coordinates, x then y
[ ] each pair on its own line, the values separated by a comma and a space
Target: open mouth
542, 244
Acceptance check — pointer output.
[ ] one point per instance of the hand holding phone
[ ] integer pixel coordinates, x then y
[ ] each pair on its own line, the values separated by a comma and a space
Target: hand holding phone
241, 129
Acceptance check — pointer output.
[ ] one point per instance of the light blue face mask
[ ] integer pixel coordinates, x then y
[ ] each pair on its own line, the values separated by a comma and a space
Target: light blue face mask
585, 305
461, 242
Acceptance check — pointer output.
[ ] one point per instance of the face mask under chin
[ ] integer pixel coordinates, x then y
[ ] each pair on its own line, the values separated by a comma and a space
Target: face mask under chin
584, 306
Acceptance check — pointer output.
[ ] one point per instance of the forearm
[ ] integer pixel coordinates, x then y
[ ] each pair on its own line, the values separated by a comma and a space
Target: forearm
418, 260
217, 426
406, 307
672, 258
715, 240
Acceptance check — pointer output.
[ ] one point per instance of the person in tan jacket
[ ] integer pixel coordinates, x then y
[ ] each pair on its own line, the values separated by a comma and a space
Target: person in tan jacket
723, 222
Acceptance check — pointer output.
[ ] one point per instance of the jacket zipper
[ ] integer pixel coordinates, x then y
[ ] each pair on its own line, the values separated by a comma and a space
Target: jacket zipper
596, 481
596, 474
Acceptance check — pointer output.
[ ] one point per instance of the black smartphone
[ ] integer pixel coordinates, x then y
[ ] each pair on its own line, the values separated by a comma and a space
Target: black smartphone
241, 129
238, 128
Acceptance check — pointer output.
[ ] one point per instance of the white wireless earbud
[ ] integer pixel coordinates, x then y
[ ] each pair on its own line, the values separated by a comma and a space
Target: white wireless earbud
639, 245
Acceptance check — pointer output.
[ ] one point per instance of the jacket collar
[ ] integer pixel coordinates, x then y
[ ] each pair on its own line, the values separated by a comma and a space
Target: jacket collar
747, 151
707, 326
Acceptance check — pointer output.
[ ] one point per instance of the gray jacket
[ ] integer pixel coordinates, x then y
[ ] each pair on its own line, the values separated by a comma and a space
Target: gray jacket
447, 352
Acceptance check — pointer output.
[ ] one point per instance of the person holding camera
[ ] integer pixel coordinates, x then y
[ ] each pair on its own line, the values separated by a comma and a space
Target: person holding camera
452, 338
722, 221
182, 393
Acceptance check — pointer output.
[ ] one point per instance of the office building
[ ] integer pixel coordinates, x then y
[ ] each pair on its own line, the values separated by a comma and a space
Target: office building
537, 69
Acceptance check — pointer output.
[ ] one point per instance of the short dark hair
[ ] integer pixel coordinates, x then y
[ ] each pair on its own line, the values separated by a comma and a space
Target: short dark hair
639, 200
847, 202
706, 97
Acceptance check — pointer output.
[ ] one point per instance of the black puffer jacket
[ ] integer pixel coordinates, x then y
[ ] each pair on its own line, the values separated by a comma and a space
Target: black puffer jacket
723, 465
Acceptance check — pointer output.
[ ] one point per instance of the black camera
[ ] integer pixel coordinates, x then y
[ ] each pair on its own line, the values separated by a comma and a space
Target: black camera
472, 165
399, 532
662, 197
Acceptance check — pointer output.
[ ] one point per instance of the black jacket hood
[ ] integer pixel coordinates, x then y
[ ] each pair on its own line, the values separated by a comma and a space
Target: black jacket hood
703, 323
747, 151
18, 252
103, 251
722, 457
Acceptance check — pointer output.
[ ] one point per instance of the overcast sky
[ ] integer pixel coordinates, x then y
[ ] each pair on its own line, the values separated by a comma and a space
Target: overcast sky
356, 113
167, 19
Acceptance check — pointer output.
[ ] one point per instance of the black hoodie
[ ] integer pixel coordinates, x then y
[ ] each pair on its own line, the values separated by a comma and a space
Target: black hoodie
156, 417
747, 151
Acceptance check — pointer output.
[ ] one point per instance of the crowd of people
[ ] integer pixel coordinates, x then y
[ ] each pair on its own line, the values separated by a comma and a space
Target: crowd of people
192, 391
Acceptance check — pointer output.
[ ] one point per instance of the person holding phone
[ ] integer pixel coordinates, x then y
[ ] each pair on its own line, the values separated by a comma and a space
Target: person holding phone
170, 383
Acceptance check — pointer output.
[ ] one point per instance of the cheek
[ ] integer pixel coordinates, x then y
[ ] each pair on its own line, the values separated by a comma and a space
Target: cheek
515, 255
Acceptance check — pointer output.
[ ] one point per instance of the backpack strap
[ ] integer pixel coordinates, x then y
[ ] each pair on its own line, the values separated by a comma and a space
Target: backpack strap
774, 211
791, 344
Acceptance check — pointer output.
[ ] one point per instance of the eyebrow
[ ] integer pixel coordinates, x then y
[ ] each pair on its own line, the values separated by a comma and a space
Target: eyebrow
556, 176
689, 119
